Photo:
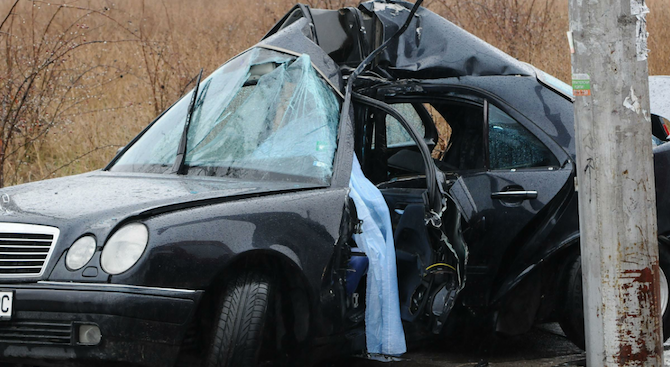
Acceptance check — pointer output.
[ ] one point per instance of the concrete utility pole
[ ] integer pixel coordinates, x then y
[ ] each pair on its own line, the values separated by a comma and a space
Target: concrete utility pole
617, 201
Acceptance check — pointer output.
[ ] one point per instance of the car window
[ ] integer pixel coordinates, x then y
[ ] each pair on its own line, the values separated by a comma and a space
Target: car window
512, 146
443, 131
396, 135
461, 128
262, 116
656, 141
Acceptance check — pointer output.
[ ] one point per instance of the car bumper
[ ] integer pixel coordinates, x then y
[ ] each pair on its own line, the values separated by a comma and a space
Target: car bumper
139, 325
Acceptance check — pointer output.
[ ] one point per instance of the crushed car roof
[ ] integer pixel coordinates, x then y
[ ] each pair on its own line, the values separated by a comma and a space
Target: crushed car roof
431, 48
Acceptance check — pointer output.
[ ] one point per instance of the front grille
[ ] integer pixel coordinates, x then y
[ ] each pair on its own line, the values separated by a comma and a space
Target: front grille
36, 332
25, 249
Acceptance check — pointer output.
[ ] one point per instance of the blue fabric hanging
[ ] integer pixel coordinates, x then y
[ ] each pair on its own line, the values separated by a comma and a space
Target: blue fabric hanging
383, 327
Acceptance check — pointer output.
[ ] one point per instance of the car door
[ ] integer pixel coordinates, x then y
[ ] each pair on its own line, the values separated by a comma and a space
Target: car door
512, 196
430, 269
510, 175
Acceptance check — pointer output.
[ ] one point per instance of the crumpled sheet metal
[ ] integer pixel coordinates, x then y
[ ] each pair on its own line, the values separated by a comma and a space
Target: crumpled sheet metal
297, 37
432, 47
383, 327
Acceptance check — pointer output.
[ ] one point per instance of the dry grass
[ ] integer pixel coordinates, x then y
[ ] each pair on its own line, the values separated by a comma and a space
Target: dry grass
130, 59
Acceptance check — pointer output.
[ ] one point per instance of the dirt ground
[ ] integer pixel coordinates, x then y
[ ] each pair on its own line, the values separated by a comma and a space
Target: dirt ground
545, 346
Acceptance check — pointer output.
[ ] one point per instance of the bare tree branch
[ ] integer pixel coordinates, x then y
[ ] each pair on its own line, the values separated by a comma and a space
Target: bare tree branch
9, 14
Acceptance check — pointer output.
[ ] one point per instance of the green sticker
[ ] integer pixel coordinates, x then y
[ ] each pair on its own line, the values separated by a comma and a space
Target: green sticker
321, 146
582, 84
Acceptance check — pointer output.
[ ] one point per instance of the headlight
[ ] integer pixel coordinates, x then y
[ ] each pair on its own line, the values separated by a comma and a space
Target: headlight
80, 253
124, 248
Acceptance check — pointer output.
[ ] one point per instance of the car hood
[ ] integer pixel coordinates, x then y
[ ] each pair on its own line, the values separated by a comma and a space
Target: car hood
108, 195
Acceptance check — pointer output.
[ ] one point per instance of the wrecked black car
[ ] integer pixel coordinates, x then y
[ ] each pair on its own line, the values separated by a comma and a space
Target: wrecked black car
229, 232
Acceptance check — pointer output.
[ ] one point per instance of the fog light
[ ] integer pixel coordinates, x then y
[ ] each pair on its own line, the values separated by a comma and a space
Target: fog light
89, 335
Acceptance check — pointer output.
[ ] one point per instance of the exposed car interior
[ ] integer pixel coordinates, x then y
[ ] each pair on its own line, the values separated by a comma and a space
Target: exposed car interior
477, 136
464, 133
392, 160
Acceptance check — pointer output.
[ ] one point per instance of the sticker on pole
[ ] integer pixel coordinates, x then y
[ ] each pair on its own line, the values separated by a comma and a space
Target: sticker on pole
581, 85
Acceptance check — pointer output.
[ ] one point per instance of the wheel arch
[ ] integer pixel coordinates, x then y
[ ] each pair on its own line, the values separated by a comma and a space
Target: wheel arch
572, 244
571, 248
528, 298
569, 242
294, 297
557, 263
569, 306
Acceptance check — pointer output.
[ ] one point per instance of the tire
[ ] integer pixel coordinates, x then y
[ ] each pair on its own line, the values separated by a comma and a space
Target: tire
241, 329
570, 302
570, 308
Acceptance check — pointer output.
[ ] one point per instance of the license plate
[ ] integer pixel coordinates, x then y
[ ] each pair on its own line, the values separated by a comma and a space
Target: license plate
6, 303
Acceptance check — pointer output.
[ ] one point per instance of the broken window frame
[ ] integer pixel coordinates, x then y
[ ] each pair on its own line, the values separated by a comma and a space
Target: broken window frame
441, 90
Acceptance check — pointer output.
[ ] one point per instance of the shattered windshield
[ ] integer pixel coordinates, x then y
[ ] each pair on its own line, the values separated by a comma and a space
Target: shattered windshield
262, 116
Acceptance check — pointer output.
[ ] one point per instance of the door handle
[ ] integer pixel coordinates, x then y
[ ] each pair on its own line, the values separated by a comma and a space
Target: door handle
514, 195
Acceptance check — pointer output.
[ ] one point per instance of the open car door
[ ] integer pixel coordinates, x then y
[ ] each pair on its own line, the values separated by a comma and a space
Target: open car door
505, 174
430, 253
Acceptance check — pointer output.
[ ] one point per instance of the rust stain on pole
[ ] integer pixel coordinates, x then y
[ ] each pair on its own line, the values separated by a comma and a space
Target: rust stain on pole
641, 286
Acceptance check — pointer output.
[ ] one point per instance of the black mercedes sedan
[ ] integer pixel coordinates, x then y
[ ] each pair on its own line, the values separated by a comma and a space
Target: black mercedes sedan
229, 233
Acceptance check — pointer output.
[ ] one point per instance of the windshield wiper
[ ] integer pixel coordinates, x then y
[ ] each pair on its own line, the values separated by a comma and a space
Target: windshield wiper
178, 166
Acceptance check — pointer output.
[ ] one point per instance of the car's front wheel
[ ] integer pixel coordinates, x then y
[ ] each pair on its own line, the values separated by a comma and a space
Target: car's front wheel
242, 327
571, 304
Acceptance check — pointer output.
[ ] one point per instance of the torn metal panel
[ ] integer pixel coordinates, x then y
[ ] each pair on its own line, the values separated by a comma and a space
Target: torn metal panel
347, 35
297, 37
432, 47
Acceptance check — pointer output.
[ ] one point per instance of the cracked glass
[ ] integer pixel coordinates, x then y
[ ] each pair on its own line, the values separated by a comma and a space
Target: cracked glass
262, 116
